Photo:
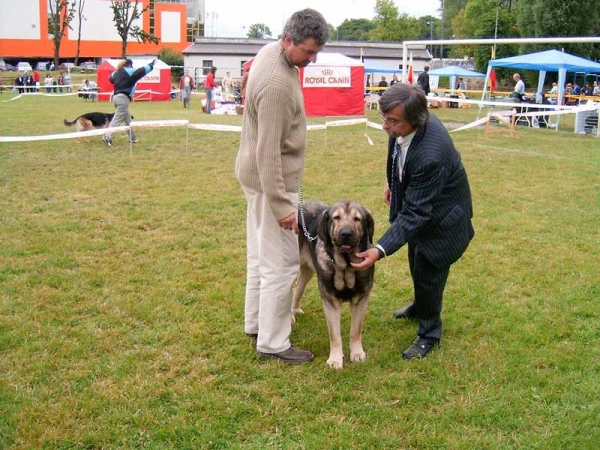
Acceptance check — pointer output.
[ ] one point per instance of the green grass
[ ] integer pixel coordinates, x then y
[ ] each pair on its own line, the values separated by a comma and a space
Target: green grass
122, 283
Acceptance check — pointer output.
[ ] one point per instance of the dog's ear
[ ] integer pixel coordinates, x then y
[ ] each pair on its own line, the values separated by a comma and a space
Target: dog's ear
323, 229
368, 230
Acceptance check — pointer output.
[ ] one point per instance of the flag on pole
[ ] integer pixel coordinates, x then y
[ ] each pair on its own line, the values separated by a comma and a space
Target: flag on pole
492, 79
410, 78
362, 56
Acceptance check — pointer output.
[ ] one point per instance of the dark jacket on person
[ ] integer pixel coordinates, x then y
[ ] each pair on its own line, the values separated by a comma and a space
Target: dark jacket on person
423, 81
435, 208
125, 79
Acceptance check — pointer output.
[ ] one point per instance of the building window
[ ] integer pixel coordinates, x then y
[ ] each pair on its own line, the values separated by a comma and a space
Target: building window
151, 11
195, 29
206, 65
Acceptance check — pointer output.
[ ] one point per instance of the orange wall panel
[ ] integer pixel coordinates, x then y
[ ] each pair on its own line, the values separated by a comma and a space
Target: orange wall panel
44, 47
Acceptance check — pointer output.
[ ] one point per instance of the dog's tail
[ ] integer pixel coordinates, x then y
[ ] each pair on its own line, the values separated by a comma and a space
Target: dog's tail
69, 124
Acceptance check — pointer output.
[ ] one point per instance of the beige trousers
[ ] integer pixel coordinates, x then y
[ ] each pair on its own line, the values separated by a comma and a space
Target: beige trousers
273, 262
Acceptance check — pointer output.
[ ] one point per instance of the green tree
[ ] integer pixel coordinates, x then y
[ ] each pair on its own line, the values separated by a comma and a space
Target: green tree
478, 21
125, 13
540, 18
81, 18
60, 16
259, 31
389, 26
173, 58
355, 30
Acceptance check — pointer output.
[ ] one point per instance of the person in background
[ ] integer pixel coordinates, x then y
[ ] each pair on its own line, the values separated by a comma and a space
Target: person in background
186, 84
383, 84
61, 82
394, 80
596, 89
430, 208
48, 82
553, 92
227, 83
587, 90
209, 85
29, 82
519, 84
67, 81
36, 80
124, 79
269, 167
368, 84
461, 85
20, 82
423, 80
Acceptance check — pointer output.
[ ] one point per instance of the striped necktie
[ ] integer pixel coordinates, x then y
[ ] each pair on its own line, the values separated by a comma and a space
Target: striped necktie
395, 187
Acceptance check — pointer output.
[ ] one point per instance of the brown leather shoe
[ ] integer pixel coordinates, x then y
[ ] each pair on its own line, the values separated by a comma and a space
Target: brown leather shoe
406, 312
290, 356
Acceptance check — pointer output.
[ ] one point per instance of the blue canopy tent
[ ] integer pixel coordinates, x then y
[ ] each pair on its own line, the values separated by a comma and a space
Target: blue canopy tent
547, 61
377, 67
372, 67
455, 71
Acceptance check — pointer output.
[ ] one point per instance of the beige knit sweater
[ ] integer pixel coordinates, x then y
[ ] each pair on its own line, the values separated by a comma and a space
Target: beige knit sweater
273, 142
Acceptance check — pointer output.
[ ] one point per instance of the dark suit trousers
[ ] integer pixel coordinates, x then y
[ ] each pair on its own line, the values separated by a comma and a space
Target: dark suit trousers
429, 282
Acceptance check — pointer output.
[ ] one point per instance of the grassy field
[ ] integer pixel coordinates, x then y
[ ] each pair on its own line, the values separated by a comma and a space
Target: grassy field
122, 283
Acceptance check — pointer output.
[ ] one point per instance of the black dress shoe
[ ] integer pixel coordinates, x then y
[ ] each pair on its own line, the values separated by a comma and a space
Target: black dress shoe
419, 348
406, 312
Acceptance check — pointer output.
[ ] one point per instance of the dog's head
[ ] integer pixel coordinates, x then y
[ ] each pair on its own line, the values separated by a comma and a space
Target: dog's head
347, 226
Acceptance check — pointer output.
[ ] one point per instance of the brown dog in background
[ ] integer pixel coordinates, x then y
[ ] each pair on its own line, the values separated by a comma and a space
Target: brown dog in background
339, 232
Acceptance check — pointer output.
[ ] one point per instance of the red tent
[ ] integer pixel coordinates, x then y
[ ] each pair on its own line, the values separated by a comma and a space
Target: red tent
333, 86
155, 86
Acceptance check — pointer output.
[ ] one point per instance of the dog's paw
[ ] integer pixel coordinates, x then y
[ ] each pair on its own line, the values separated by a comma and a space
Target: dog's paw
335, 363
358, 356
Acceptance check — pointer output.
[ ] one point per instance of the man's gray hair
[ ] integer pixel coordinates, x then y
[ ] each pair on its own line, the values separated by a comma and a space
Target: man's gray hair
412, 98
306, 24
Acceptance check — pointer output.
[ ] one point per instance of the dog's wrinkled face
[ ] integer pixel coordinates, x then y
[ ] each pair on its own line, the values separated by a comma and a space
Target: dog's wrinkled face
348, 226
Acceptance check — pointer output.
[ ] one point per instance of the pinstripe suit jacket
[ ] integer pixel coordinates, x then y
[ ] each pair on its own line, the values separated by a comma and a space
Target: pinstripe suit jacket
435, 210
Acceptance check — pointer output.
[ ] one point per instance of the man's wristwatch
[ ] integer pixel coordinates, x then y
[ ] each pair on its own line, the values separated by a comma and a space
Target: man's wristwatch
381, 251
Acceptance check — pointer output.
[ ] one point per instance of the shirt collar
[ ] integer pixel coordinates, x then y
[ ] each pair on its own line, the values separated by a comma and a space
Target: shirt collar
406, 140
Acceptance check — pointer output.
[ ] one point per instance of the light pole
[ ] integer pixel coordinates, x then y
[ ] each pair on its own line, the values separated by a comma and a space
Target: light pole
442, 32
430, 23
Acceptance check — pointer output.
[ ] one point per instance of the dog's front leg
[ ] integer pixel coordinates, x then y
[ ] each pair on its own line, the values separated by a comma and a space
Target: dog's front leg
357, 314
333, 315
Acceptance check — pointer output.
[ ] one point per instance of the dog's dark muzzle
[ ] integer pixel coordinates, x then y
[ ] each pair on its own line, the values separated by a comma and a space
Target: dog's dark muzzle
347, 239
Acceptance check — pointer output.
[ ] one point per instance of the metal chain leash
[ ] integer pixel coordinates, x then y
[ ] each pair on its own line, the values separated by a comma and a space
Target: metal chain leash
302, 221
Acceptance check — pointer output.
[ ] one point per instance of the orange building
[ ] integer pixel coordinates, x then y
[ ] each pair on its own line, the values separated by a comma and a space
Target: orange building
24, 30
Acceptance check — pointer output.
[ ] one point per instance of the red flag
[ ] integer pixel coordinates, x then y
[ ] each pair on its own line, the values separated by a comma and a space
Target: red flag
492, 80
410, 78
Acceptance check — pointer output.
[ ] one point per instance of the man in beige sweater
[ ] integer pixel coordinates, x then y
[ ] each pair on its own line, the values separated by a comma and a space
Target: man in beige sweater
269, 166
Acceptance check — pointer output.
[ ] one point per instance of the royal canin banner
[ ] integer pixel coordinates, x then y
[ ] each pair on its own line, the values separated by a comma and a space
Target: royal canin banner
314, 77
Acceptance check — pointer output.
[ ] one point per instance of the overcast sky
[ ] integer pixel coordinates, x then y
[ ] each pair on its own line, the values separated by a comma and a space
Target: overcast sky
231, 18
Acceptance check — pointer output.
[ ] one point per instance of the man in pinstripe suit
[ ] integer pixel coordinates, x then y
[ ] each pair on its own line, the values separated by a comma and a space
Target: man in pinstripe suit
430, 207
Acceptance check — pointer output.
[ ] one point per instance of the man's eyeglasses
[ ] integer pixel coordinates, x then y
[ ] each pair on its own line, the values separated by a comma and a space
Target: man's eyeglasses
391, 122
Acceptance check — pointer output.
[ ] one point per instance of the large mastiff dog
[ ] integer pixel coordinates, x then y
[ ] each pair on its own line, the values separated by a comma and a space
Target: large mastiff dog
339, 232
